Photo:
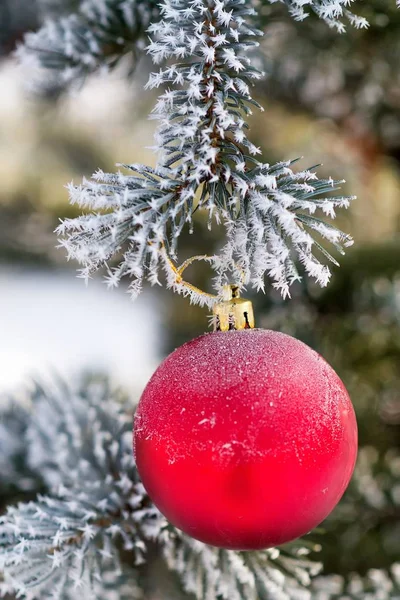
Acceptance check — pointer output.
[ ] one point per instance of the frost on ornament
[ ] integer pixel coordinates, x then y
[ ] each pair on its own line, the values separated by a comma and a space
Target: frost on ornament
245, 439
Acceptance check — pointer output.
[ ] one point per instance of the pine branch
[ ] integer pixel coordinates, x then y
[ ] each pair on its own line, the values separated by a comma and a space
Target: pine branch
375, 488
86, 35
333, 12
276, 225
15, 472
370, 510
80, 443
210, 573
377, 584
206, 162
56, 8
58, 548
329, 75
101, 32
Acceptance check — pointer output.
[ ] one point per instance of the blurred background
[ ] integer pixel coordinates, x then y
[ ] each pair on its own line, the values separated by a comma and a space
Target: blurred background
334, 100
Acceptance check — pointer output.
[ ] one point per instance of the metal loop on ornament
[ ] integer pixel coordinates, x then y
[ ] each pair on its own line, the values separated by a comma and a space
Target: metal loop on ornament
233, 312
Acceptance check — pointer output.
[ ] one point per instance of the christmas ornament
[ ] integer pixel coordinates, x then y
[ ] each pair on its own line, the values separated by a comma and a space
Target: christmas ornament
245, 438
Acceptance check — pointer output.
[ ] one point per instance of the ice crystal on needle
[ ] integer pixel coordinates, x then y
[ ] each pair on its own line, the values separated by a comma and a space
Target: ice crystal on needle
206, 162
331, 11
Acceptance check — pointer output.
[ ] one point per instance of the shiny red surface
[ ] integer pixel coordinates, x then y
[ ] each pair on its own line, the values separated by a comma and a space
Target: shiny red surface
245, 439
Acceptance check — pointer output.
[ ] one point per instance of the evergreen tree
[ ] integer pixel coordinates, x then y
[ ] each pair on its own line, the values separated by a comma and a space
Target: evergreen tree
91, 528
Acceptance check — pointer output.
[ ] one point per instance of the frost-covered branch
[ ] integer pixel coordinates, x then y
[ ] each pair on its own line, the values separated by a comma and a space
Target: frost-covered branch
15, 472
81, 36
51, 548
206, 162
56, 8
277, 225
145, 208
81, 444
333, 12
211, 573
97, 35
377, 584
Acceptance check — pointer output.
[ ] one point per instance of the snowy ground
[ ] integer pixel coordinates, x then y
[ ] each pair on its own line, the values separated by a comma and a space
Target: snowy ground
51, 322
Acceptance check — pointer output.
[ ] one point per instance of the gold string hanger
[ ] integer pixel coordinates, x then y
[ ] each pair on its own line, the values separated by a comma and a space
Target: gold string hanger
230, 311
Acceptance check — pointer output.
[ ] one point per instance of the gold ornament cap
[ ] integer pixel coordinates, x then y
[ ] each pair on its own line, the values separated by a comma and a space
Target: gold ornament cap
233, 312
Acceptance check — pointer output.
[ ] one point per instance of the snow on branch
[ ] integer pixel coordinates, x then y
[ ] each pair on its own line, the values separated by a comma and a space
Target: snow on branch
78, 38
333, 12
144, 210
59, 548
207, 163
80, 442
377, 584
56, 8
66, 49
211, 573
15, 473
276, 227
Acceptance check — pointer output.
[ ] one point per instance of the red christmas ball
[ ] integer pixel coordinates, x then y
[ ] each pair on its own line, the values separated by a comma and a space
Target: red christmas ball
245, 439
